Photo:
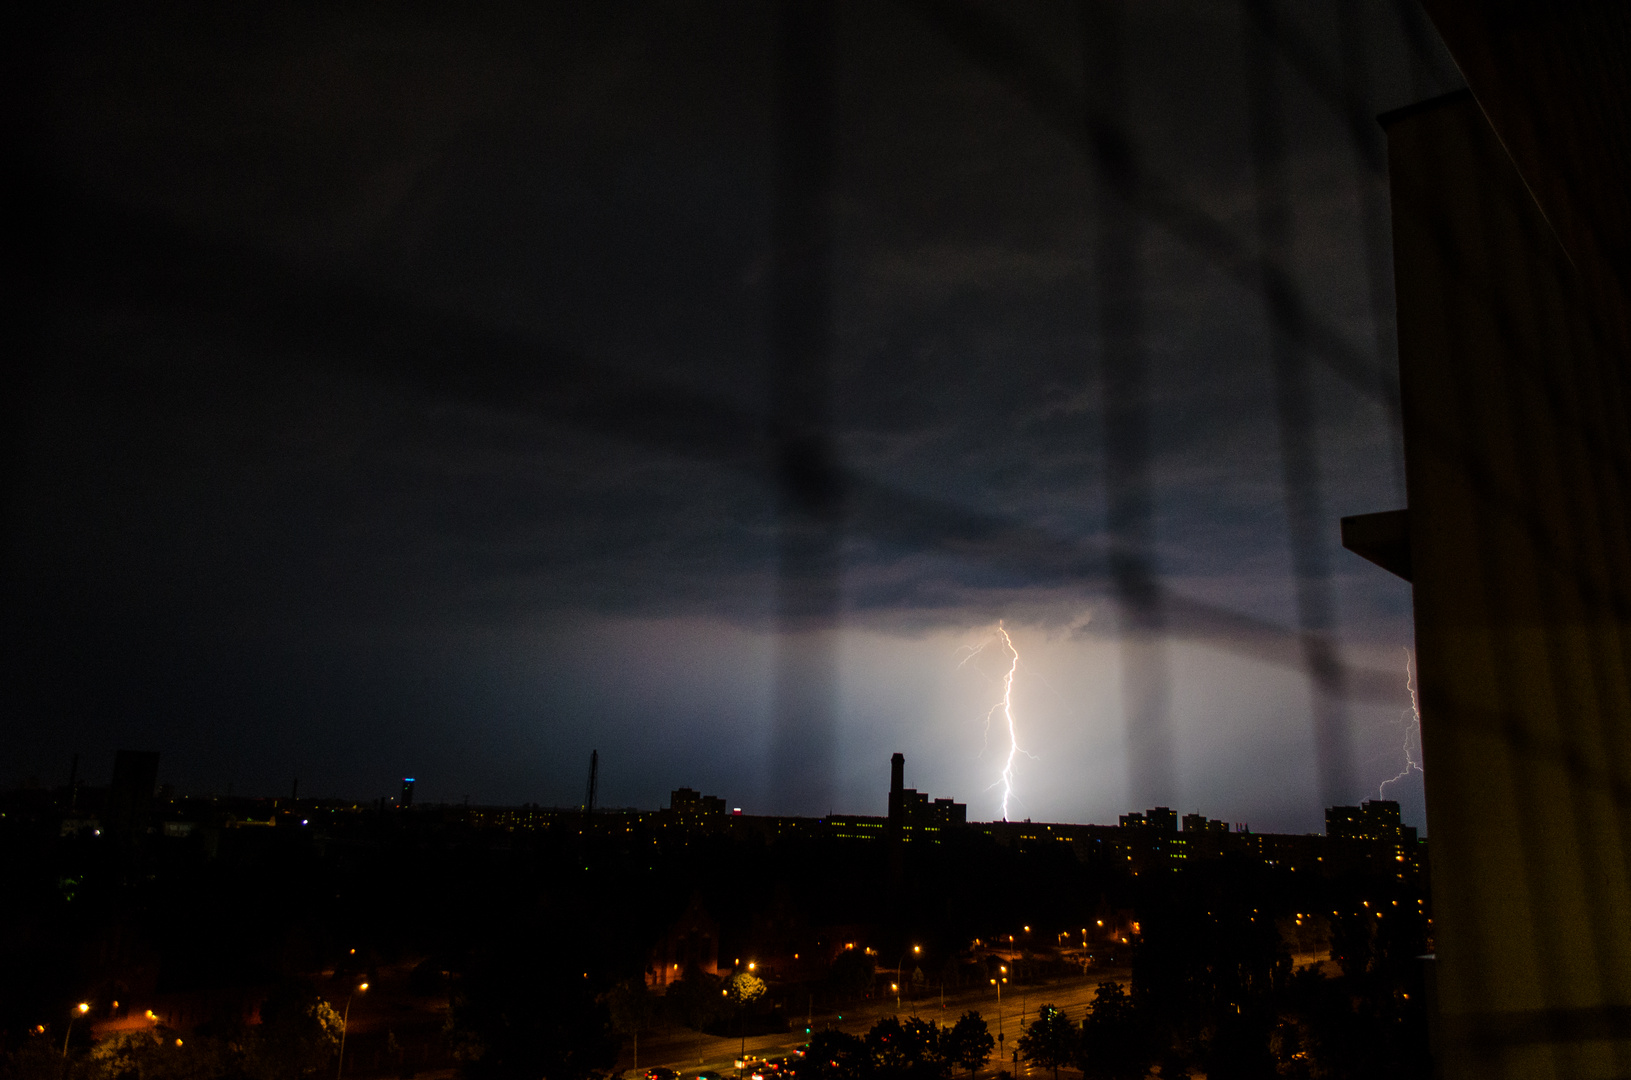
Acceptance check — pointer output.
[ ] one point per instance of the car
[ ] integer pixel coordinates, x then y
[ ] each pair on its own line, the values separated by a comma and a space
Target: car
661, 1073
775, 1069
706, 1074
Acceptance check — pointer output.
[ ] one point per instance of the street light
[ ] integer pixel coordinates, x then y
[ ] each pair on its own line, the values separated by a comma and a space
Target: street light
79, 1010
345, 1026
998, 984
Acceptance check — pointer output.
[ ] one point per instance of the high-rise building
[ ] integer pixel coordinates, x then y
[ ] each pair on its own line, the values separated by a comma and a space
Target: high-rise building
689, 808
1200, 823
407, 791
1381, 818
1157, 817
1345, 821
1374, 819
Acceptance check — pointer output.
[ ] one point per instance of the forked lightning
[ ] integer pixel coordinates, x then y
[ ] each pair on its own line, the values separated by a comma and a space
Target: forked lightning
1412, 731
1007, 707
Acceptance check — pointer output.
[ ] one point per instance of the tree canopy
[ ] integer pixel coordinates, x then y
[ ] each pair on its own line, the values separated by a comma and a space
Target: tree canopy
968, 1044
1114, 1045
1050, 1040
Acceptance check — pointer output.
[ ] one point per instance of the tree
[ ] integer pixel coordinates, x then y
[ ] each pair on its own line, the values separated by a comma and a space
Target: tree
633, 1008
851, 974
1114, 1045
1289, 1045
299, 1032
695, 1000
160, 1054
1353, 942
837, 1055
522, 1015
906, 1049
968, 1043
744, 989
1239, 1047
1049, 1040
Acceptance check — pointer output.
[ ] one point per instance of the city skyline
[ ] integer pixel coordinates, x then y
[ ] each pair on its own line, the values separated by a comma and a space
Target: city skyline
900, 803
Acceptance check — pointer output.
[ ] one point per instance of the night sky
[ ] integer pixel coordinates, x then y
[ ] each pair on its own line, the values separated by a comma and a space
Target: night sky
395, 401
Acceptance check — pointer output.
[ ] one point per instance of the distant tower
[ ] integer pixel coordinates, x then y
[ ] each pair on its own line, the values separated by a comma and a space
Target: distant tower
594, 775
407, 791
897, 785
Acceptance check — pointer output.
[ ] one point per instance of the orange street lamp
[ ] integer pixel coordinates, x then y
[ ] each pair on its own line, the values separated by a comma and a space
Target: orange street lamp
998, 984
79, 1010
345, 1026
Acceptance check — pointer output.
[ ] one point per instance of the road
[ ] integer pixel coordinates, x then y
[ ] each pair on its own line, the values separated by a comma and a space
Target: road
688, 1052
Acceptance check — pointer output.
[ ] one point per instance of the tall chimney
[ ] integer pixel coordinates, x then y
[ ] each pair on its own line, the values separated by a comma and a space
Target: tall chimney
897, 773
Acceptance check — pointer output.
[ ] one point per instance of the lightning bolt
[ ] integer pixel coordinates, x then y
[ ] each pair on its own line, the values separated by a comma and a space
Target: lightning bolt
1007, 706
1412, 730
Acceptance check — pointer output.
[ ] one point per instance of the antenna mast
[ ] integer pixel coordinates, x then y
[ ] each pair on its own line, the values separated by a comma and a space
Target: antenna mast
594, 773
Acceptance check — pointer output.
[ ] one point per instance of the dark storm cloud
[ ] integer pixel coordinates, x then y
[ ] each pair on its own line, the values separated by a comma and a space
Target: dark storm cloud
371, 323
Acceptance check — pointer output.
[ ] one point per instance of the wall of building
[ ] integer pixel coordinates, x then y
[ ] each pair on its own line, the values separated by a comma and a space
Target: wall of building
1515, 408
